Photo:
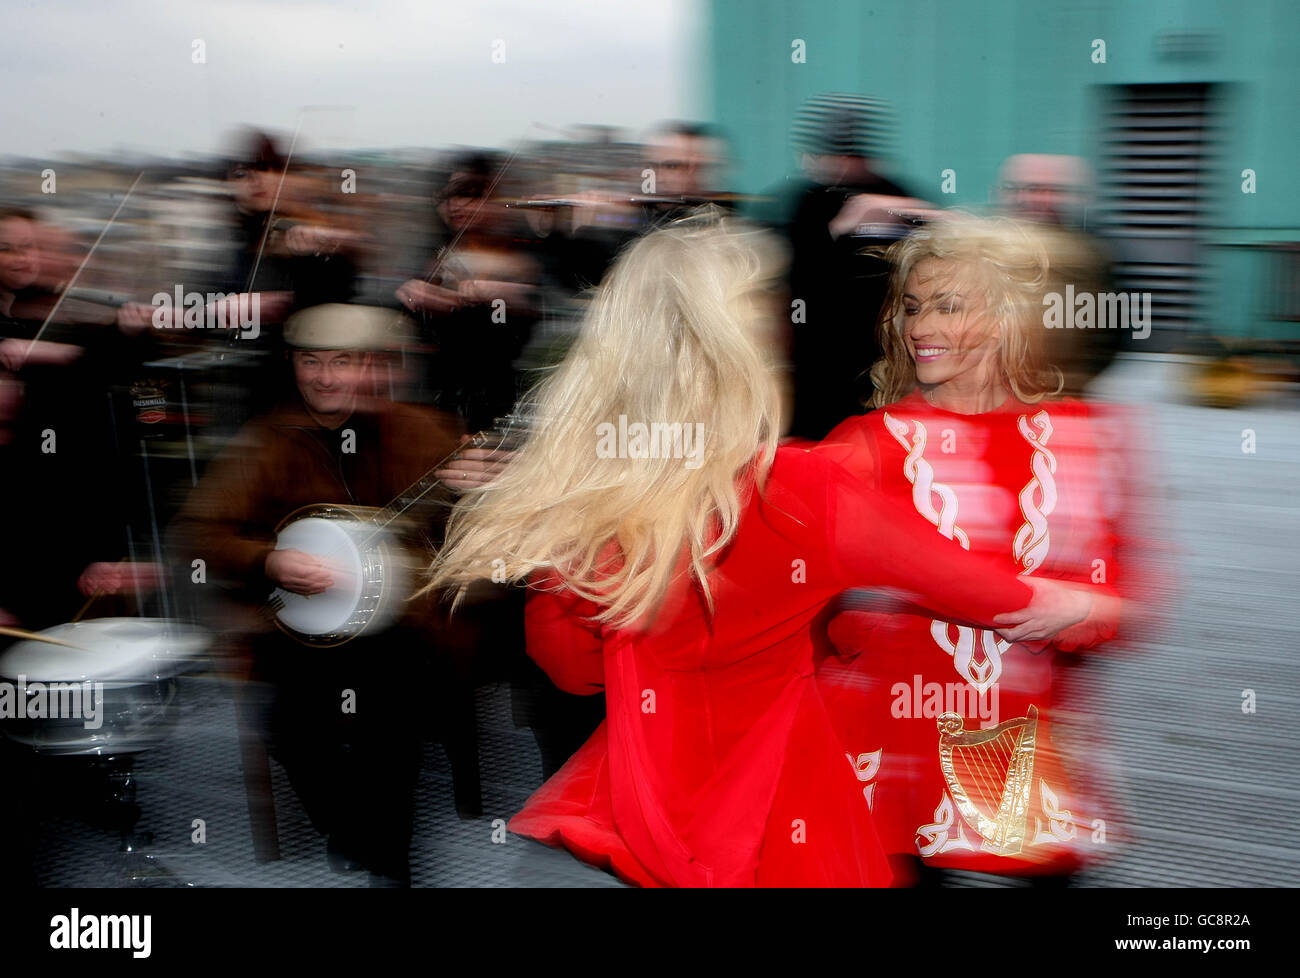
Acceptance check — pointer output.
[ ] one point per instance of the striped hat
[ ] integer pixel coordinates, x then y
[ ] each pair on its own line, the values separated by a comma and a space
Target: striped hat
843, 124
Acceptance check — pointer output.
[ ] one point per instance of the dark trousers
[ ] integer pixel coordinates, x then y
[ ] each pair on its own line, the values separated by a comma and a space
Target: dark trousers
347, 724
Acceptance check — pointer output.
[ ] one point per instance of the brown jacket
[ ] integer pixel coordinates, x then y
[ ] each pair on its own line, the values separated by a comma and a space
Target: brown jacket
282, 462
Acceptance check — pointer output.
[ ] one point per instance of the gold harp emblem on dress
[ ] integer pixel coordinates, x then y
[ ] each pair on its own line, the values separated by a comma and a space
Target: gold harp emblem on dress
989, 774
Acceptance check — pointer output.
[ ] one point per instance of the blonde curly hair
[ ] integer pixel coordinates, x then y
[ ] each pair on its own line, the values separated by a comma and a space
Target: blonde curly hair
1009, 264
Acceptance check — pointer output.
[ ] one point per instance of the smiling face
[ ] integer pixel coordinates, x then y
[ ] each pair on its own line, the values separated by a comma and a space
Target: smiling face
18, 256
948, 331
328, 381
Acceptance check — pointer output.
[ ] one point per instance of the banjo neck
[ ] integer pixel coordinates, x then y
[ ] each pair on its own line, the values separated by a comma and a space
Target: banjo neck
505, 434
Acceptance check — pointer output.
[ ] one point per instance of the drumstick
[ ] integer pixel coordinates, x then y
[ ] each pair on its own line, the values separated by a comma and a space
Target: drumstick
89, 601
37, 637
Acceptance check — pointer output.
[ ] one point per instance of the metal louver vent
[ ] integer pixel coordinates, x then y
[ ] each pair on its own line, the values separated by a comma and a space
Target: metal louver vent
1156, 145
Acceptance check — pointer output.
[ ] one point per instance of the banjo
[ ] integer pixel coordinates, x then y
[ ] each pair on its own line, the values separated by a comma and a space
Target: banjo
374, 571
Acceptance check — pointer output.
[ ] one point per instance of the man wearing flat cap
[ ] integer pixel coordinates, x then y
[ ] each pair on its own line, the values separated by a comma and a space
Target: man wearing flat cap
337, 439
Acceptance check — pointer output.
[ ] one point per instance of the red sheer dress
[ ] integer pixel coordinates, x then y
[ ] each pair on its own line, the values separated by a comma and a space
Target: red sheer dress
718, 764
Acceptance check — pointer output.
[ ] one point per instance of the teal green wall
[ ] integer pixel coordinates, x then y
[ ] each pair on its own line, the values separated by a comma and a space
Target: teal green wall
974, 81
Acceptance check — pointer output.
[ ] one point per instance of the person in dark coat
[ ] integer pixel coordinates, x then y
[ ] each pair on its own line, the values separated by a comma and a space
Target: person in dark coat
346, 722
844, 208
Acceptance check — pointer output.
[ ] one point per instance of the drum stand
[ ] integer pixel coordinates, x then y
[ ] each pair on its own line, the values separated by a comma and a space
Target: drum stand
134, 865
118, 810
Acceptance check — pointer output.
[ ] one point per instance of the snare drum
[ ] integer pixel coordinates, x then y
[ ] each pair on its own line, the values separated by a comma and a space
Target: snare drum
132, 662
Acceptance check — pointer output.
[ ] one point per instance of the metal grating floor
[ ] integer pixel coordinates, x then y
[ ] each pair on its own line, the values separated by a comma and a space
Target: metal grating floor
1208, 793
197, 774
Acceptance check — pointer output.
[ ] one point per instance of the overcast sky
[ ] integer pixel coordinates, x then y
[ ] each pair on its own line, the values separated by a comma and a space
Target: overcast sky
96, 76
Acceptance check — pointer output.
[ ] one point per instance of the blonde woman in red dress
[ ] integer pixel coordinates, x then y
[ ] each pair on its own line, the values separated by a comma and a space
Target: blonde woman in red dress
948, 726
684, 577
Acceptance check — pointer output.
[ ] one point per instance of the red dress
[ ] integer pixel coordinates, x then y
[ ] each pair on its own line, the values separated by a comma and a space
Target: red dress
949, 726
717, 764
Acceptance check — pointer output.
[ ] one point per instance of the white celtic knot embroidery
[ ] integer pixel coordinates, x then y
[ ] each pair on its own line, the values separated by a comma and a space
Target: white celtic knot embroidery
1038, 498
1030, 546
1060, 823
865, 768
920, 473
937, 835
983, 673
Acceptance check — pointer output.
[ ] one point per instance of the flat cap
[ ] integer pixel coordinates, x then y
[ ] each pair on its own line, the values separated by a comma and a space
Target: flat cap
340, 326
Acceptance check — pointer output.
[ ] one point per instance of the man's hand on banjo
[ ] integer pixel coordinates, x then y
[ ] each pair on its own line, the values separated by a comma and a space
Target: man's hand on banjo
298, 572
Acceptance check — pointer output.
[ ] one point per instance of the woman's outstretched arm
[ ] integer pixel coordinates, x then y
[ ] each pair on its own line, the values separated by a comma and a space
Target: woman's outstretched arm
877, 543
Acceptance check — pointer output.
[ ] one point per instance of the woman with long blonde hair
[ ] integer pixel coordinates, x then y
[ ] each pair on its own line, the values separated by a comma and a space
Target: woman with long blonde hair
678, 560
969, 432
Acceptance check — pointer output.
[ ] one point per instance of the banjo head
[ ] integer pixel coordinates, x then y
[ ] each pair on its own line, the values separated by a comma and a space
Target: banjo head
367, 580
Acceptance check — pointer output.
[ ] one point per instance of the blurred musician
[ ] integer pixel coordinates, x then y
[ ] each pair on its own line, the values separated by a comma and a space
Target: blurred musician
336, 441
60, 438
283, 247
682, 169
1053, 191
687, 160
478, 301
845, 207
28, 291
472, 373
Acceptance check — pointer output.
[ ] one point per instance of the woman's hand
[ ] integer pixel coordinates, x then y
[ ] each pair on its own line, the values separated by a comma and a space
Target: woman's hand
1102, 625
1055, 607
